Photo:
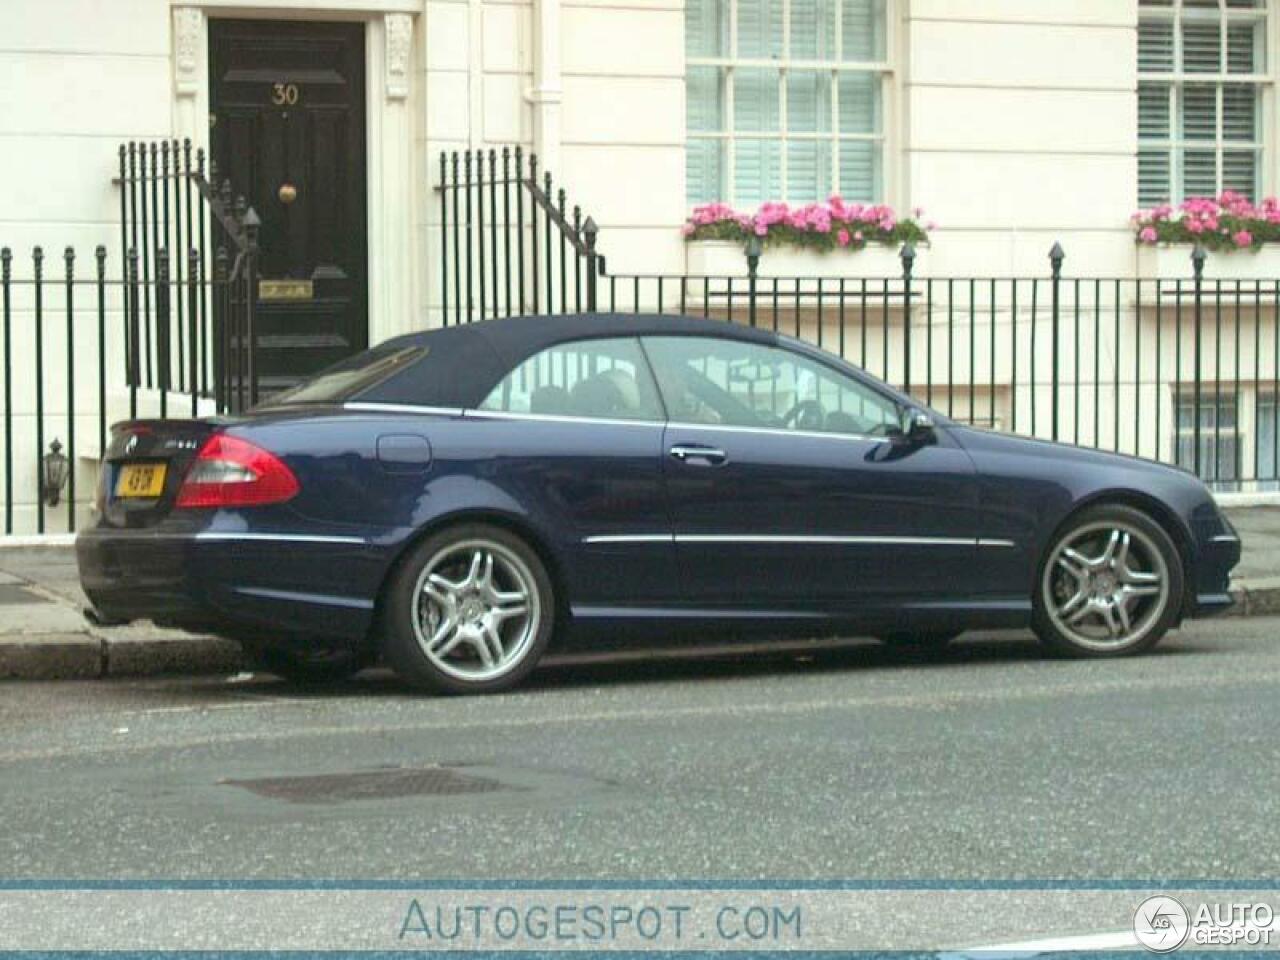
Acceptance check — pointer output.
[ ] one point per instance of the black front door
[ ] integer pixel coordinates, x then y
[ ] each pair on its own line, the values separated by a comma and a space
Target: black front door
287, 123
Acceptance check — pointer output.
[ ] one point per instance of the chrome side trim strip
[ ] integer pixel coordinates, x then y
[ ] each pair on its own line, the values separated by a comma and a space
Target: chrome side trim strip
402, 408
784, 538
1226, 538
215, 535
777, 431
555, 418
353, 603
631, 538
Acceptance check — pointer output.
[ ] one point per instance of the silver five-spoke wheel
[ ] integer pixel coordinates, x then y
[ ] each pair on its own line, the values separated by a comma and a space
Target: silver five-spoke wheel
1107, 583
476, 609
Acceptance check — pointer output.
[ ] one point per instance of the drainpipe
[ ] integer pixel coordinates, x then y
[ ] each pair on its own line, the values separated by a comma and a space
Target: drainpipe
546, 93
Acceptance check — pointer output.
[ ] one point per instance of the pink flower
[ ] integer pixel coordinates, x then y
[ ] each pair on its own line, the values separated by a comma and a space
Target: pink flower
931, 226
842, 238
1148, 235
761, 229
1243, 239
687, 229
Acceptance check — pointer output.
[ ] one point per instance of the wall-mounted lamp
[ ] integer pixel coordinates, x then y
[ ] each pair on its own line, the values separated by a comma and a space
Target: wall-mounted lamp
56, 469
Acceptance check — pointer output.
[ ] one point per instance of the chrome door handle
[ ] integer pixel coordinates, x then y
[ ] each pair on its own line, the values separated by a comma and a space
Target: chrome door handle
692, 452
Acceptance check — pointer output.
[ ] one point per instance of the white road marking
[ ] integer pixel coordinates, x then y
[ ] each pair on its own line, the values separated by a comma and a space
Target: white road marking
1120, 940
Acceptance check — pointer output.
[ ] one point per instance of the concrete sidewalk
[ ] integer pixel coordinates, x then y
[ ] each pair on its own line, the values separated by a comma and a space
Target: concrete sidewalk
44, 635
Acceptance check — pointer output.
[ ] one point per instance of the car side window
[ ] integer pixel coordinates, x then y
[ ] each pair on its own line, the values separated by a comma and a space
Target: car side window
606, 378
712, 380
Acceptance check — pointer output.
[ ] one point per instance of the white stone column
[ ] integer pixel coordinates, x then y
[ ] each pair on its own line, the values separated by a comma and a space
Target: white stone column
393, 273
547, 92
190, 67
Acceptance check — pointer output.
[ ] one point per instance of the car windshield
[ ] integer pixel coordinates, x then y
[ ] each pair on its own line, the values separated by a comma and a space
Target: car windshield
350, 377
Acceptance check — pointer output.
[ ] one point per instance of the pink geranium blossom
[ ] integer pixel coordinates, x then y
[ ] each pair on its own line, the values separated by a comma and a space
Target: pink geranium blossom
830, 224
1229, 221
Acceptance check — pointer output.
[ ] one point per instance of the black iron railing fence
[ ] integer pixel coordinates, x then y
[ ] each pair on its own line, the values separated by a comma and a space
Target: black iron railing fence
73, 342
1180, 369
510, 244
167, 203
162, 326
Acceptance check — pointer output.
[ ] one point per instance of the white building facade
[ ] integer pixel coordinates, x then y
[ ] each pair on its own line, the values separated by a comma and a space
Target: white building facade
1014, 124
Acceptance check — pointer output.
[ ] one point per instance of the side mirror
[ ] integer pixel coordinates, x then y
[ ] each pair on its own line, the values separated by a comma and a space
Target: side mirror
917, 426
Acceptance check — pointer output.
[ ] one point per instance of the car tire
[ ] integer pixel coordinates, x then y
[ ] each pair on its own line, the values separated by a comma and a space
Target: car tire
1109, 585
918, 640
306, 664
469, 610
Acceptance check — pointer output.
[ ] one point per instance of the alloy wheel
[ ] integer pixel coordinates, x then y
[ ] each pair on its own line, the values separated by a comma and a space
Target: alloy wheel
1106, 585
476, 610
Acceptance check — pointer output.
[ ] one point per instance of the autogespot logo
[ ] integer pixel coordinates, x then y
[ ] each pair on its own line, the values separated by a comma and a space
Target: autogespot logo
1161, 924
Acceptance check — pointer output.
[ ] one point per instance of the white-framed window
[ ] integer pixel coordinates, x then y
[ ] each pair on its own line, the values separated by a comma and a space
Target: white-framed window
786, 99
1266, 438
1219, 436
1204, 79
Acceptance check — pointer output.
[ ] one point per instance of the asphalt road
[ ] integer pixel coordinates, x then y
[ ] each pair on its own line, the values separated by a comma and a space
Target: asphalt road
990, 762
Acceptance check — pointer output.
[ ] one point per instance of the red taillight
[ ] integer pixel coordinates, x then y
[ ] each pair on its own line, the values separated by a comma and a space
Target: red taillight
230, 472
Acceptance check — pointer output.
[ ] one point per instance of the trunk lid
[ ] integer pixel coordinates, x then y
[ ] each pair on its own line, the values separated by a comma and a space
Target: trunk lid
144, 467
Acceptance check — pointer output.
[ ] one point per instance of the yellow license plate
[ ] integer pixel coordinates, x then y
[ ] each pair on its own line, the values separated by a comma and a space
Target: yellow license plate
140, 480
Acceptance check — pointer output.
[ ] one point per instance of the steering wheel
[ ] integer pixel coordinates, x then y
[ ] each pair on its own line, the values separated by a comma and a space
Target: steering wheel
806, 415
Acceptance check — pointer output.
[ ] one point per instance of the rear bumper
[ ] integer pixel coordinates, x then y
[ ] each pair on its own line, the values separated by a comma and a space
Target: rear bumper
234, 583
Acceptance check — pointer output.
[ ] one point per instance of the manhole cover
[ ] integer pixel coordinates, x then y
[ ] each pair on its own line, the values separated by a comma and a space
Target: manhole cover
369, 785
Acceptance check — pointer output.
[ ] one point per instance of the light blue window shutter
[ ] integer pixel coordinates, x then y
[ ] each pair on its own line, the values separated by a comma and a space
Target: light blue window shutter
704, 113
756, 109
759, 29
862, 24
809, 112
813, 29
706, 28
706, 32
860, 112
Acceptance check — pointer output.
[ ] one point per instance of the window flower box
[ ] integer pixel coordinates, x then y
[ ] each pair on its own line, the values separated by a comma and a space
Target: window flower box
1172, 261
833, 239
1239, 238
727, 258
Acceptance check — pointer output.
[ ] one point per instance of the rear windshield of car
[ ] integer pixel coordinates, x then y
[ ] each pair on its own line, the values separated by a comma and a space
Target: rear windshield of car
350, 377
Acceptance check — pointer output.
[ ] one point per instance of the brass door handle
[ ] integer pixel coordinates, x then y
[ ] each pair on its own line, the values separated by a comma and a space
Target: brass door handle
287, 193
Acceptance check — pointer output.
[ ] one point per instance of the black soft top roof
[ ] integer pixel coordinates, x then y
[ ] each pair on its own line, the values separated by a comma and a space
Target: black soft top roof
462, 364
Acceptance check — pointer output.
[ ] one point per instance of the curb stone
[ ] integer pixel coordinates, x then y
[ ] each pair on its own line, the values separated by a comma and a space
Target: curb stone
1256, 598
133, 651
133, 656
50, 656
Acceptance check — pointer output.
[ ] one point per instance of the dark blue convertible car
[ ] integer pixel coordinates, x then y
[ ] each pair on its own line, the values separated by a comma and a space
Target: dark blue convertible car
454, 501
